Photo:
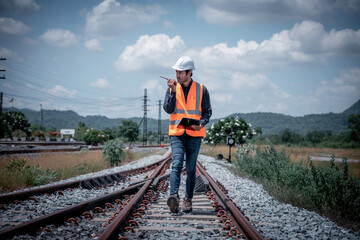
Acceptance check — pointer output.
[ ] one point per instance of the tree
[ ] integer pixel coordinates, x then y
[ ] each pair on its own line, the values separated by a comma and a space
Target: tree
230, 126
258, 130
17, 121
129, 130
5, 129
354, 126
111, 132
315, 136
80, 131
288, 136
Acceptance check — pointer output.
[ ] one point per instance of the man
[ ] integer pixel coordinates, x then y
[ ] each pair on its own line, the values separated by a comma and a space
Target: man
186, 99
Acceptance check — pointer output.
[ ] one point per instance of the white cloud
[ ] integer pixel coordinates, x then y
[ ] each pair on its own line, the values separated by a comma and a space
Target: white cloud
155, 88
20, 6
345, 86
256, 83
61, 91
222, 98
150, 51
248, 92
245, 11
12, 27
59, 38
93, 44
101, 83
305, 42
111, 18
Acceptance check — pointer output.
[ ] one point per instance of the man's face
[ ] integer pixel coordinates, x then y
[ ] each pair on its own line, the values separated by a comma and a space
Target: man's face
182, 77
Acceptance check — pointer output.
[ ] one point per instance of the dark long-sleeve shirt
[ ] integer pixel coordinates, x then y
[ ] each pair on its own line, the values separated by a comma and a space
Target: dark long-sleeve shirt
170, 101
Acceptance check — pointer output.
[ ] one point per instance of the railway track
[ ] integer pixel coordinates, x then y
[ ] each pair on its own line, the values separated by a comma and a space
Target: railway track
139, 211
17, 147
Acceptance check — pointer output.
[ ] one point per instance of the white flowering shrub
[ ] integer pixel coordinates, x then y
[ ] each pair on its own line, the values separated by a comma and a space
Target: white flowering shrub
230, 126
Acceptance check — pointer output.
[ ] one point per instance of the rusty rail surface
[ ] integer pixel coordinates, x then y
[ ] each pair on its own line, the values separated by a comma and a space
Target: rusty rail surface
235, 222
239, 217
111, 231
85, 183
60, 216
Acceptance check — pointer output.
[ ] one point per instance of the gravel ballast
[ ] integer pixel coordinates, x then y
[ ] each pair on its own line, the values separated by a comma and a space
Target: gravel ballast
275, 219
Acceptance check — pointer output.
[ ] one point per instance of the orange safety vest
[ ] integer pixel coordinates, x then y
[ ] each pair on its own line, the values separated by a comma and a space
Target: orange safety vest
190, 109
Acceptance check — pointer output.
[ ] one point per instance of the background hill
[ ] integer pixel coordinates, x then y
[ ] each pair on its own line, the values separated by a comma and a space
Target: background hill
270, 123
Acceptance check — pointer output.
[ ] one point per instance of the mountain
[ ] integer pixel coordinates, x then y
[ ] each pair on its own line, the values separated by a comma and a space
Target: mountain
354, 109
274, 123
270, 123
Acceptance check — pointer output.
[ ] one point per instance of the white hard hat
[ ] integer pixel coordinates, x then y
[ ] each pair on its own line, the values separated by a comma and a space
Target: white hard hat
184, 63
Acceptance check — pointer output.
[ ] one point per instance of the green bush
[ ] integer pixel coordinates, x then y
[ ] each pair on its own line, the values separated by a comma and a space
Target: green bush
30, 175
113, 152
327, 188
94, 136
18, 133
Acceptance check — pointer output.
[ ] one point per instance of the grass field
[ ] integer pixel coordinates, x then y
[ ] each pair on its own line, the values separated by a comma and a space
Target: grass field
299, 153
325, 190
53, 167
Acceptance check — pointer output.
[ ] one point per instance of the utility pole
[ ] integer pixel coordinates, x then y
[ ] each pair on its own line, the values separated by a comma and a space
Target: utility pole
2, 70
3, 77
159, 125
1, 101
42, 116
145, 119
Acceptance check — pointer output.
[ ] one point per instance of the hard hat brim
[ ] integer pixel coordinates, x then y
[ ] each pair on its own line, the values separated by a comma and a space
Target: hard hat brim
181, 69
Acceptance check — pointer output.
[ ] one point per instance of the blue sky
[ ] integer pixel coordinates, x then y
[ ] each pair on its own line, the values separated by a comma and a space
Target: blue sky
97, 57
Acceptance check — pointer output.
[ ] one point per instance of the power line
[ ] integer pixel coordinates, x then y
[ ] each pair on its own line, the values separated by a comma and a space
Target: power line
49, 79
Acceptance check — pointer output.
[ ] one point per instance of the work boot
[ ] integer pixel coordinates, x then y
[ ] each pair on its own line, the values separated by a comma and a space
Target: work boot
173, 203
187, 205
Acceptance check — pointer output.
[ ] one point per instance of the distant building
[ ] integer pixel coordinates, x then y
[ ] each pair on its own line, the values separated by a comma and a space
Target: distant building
67, 132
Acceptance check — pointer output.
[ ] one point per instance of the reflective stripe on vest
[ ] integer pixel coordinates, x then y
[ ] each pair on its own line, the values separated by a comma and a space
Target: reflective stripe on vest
191, 109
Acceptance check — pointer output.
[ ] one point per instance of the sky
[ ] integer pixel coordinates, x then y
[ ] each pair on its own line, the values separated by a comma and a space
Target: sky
294, 57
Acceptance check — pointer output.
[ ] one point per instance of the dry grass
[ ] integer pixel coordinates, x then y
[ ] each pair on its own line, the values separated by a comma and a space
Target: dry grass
67, 165
301, 153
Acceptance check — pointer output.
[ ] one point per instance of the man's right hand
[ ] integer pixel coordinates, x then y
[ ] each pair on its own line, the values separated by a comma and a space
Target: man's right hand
172, 84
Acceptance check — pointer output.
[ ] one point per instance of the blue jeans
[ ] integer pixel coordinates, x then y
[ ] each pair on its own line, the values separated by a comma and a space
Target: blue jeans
190, 146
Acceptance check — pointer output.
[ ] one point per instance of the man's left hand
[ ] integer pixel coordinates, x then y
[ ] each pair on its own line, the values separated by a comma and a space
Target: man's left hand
196, 127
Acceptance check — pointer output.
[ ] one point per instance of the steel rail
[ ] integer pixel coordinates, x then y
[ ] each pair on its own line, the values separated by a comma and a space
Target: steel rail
111, 231
239, 217
60, 216
21, 195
